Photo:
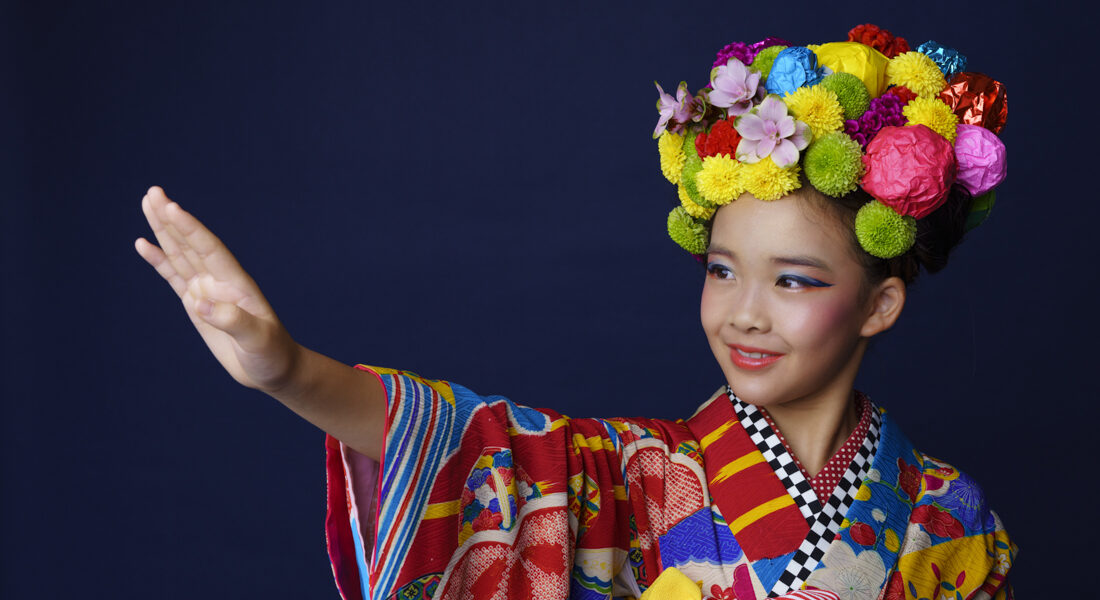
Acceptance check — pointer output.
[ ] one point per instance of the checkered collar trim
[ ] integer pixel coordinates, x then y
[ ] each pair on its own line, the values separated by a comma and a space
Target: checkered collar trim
824, 518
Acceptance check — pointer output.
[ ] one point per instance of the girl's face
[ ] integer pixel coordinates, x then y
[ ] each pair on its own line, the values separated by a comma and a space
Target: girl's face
784, 303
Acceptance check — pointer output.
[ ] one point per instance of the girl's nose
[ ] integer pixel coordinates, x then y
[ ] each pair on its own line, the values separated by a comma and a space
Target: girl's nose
749, 310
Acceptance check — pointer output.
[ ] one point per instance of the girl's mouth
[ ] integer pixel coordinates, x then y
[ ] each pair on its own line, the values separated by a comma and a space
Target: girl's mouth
752, 358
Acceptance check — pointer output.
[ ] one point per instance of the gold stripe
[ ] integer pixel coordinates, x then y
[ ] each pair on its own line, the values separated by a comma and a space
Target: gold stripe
555, 425
736, 466
757, 513
594, 443
709, 438
441, 509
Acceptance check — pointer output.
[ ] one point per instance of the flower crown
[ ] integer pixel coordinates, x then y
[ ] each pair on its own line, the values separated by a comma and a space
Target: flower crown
904, 125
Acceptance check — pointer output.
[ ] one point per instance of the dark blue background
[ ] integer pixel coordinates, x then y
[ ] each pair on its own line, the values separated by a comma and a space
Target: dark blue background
469, 192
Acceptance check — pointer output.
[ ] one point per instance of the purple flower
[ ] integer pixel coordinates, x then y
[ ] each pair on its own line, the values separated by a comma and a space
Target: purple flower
734, 87
769, 131
739, 50
679, 110
746, 53
884, 111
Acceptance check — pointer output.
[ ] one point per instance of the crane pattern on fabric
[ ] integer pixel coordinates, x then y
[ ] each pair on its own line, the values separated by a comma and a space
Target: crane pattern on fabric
478, 497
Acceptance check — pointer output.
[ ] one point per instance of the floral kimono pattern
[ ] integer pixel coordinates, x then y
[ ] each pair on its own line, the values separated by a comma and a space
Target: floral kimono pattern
478, 497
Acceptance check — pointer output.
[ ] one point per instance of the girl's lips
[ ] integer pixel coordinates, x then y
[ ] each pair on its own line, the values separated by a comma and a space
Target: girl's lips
747, 362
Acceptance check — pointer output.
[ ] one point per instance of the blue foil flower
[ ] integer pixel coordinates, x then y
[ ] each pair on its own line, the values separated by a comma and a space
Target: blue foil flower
947, 59
793, 68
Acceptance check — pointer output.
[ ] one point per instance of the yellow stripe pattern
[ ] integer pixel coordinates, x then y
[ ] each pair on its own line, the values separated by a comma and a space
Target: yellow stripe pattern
759, 512
736, 466
441, 509
710, 438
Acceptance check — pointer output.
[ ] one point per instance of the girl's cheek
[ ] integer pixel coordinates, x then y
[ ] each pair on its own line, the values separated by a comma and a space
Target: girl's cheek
828, 315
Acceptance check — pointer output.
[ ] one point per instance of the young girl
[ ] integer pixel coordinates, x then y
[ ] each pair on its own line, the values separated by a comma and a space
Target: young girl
814, 182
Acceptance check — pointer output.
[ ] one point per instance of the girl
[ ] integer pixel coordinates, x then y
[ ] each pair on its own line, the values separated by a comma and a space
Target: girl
811, 227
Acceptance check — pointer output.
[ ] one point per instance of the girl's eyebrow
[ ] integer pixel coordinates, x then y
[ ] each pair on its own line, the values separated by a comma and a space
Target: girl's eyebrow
717, 249
802, 261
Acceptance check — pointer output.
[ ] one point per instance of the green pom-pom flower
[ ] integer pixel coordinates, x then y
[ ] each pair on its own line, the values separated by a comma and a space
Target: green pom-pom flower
692, 165
764, 59
849, 89
834, 164
980, 208
883, 232
689, 232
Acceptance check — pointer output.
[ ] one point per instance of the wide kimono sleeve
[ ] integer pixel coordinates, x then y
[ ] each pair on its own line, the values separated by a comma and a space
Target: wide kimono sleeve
478, 497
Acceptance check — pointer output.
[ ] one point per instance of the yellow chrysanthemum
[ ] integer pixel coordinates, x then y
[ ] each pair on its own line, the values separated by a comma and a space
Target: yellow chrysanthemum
933, 114
917, 72
719, 180
671, 148
693, 209
817, 107
768, 181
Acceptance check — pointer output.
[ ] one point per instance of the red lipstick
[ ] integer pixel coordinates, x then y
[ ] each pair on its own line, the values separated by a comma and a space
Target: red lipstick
746, 362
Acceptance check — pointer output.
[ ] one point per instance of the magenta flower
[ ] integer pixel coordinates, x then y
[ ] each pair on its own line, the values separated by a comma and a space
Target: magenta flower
734, 86
679, 110
769, 131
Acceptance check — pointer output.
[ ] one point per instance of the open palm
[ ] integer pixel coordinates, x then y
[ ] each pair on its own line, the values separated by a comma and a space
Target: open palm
221, 299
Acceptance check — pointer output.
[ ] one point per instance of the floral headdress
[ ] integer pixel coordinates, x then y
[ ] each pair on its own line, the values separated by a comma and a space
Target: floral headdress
906, 126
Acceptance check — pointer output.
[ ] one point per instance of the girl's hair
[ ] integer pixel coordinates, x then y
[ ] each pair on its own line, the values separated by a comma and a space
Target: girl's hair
937, 233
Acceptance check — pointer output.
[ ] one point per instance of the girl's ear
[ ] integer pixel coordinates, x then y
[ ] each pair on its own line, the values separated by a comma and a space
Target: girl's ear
885, 303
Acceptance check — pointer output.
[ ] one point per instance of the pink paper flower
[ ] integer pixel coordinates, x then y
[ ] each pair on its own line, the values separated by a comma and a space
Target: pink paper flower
769, 131
733, 87
678, 110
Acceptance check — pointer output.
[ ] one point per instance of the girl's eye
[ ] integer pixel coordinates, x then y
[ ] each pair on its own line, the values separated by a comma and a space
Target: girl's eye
799, 281
718, 271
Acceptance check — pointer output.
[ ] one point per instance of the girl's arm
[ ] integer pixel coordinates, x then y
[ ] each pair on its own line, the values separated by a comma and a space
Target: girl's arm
240, 328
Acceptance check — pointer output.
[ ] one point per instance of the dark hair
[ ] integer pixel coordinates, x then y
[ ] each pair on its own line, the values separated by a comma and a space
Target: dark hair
937, 233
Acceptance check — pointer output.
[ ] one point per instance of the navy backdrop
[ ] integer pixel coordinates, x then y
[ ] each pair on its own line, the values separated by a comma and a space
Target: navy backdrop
469, 192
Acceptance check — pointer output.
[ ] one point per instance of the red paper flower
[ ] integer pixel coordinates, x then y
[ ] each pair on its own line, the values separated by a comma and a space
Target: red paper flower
910, 169
862, 534
938, 521
909, 477
879, 39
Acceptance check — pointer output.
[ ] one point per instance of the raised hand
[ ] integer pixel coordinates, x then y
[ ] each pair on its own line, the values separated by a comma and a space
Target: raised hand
240, 328
223, 302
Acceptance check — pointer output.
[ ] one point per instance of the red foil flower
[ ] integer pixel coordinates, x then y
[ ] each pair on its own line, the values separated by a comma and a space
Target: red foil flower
721, 139
879, 39
938, 521
977, 99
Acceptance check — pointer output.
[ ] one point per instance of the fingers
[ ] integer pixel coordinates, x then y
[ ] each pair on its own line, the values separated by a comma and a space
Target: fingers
249, 331
191, 248
156, 258
208, 249
153, 205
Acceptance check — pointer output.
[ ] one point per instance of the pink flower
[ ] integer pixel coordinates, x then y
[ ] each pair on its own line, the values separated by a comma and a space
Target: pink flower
734, 87
769, 131
679, 110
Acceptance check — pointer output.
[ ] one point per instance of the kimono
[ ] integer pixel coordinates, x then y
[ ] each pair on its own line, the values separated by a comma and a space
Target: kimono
479, 497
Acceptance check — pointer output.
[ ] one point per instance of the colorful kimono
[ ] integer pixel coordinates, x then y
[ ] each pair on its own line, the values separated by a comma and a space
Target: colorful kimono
478, 497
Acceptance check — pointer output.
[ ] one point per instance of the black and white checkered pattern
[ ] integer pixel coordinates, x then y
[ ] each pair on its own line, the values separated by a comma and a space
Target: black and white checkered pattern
824, 519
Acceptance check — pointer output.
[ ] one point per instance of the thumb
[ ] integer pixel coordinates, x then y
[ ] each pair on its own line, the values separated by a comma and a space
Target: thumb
241, 325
